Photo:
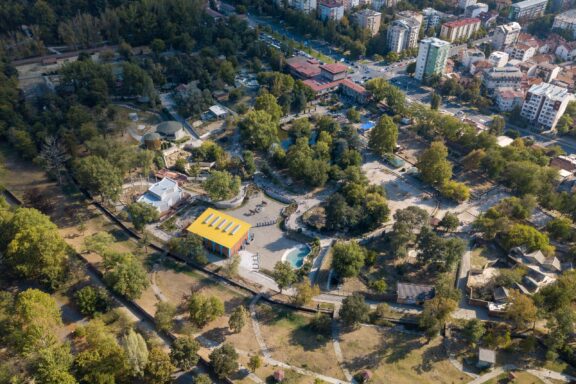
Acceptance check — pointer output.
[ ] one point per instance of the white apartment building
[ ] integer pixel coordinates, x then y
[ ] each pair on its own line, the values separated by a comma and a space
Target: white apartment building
566, 21
459, 29
498, 58
504, 77
521, 51
404, 31
507, 99
431, 18
475, 10
432, 57
472, 55
306, 6
545, 104
506, 35
527, 10
369, 19
463, 4
331, 10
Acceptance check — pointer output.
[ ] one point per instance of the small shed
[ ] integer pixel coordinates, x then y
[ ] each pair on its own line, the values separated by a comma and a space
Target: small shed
414, 293
486, 358
218, 111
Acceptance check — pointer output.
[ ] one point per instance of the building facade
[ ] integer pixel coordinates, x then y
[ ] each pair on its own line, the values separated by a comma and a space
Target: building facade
498, 58
463, 4
506, 35
506, 99
306, 6
331, 10
432, 57
369, 19
521, 52
545, 104
460, 29
527, 10
505, 77
566, 21
475, 10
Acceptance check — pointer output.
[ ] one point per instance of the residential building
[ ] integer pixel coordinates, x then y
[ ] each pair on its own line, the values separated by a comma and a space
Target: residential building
403, 34
488, 19
306, 6
432, 56
498, 58
349, 4
504, 77
379, 4
431, 18
354, 91
222, 234
527, 10
163, 195
414, 293
566, 51
480, 66
561, 5
472, 55
566, 21
521, 52
410, 15
565, 163
463, 4
506, 35
506, 99
476, 9
460, 29
369, 19
544, 105
331, 10
547, 72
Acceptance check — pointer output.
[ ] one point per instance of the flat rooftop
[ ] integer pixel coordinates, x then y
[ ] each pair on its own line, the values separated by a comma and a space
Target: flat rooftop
219, 227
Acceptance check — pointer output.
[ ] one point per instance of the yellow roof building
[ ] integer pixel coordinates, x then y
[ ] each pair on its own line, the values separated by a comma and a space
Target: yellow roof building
219, 227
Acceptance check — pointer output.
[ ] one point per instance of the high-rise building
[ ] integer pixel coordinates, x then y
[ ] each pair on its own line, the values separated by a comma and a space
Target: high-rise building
369, 19
331, 10
545, 104
463, 4
403, 34
506, 35
461, 29
306, 6
432, 56
527, 10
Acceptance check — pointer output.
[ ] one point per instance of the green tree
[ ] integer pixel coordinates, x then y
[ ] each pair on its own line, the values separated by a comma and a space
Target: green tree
383, 137
33, 248
190, 246
52, 365
348, 258
158, 46
221, 185
433, 165
284, 275
560, 228
473, 331
305, 292
381, 90
142, 214
435, 101
449, 222
91, 300
224, 360
136, 353
125, 274
454, 190
354, 310
249, 163
165, 312
497, 126
159, 368
99, 242
184, 353
407, 223
237, 319
436, 312
202, 379
525, 235
353, 115
204, 309
259, 129
99, 177
254, 363
301, 127
35, 321
267, 102
521, 310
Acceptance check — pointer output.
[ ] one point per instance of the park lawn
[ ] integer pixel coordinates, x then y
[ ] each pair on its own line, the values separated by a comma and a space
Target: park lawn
289, 340
266, 371
395, 357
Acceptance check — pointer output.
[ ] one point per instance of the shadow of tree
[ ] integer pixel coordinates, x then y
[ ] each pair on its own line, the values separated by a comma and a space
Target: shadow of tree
217, 334
309, 340
400, 345
429, 357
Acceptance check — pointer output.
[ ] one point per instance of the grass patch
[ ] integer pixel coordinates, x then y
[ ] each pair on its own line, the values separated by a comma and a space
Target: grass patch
521, 378
478, 258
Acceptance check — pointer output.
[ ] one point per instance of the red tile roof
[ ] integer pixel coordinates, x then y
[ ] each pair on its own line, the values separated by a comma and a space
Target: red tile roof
334, 68
317, 86
352, 85
462, 22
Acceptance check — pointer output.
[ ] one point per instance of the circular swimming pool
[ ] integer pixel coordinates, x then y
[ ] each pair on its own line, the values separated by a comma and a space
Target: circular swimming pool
295, 256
